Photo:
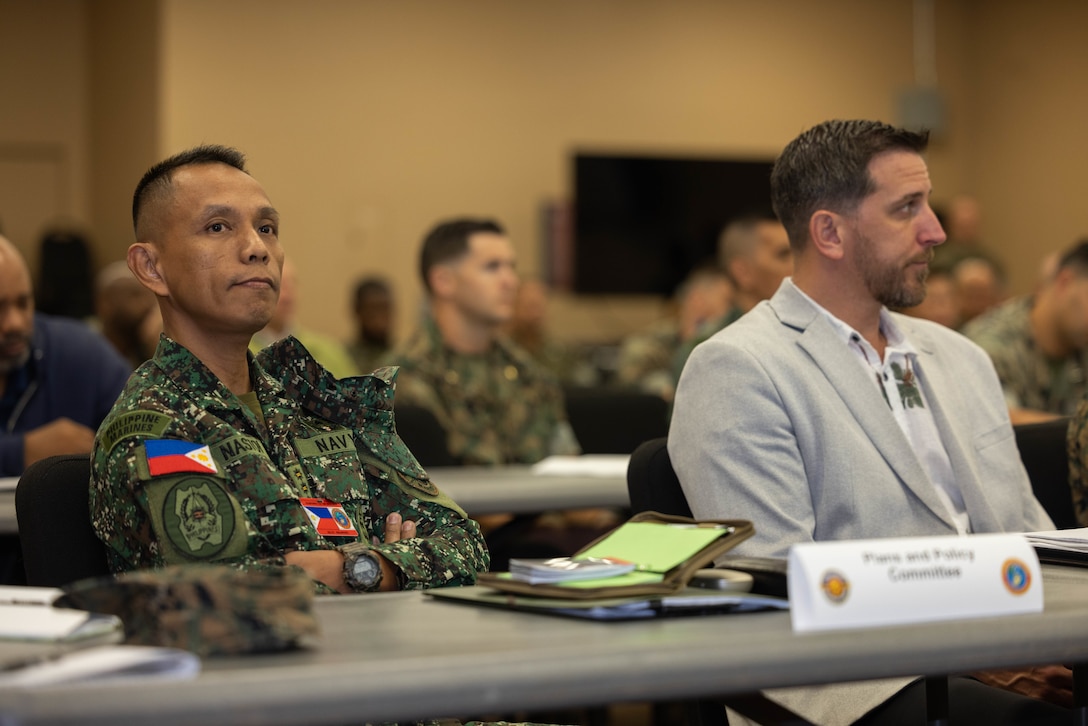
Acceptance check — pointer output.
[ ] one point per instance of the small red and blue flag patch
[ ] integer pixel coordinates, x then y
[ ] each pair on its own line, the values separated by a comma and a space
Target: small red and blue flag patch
328, 517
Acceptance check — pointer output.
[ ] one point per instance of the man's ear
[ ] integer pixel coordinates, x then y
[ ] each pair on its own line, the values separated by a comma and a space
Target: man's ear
826, 232
443, 280
740, 271
143, 260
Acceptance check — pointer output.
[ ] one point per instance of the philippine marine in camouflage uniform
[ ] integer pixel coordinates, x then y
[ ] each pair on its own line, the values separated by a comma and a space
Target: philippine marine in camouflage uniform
500, 407
313, 438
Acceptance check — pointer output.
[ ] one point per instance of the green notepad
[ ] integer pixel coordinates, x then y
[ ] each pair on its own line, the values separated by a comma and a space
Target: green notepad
666, 549
653, 546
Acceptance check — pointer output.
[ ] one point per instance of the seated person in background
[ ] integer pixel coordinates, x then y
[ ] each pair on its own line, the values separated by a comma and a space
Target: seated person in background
1039, 343
122, 307
645, 359
332, 356
372, 310
496, 404
980, 287
941, 304
58, 378
528, 329
820, 415
755, 253
213, 455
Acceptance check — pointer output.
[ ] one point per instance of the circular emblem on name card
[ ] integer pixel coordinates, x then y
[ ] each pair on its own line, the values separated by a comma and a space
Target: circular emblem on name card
835, 586
341, 519
1016, 576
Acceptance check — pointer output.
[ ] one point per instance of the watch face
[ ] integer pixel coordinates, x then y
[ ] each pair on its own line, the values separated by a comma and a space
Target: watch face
365, 571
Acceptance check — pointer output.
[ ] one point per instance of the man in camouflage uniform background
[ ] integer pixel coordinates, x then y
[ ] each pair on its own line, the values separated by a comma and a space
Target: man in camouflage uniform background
496, 404
754, 251
1039, 343
211, 455
645, 359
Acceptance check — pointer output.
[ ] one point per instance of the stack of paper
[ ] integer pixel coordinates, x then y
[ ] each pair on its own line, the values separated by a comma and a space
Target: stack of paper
27, 613
565, 569
1067, 540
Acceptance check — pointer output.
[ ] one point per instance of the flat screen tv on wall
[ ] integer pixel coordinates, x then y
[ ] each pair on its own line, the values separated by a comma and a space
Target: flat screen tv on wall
641, 223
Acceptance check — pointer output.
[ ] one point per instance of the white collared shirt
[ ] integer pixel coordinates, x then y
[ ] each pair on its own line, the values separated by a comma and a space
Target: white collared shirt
897, 376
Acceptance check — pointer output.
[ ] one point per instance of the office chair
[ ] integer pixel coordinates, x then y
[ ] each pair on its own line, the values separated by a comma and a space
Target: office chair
1043, 451
614, 420
51, 506
424, 435
652, 485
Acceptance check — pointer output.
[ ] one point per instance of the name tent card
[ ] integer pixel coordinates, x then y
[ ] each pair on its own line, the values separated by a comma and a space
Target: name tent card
867, 583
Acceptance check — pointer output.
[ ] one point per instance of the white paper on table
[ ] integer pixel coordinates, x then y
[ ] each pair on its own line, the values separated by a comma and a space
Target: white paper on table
105, 663
1068, 540
603, 465
49, 624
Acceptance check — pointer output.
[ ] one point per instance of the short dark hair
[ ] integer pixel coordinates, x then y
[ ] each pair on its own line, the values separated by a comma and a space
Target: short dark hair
449, 240
738, 236
1076, 258
158, 178
827, 167
368, 285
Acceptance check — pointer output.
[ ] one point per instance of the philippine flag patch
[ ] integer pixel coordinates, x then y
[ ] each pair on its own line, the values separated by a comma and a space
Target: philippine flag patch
171, 456
328, 517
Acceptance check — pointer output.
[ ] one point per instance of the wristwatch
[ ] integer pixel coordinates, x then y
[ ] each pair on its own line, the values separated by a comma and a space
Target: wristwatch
363, 571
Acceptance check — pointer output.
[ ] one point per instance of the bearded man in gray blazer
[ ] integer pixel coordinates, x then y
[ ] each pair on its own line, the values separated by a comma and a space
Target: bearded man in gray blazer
821, 415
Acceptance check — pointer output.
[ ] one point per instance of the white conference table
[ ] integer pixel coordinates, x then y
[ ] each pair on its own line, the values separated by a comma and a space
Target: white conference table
405, 656
479, 490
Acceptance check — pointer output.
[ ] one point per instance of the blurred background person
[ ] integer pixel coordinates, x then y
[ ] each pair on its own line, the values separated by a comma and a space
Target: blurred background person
58, 380
326, 350
980, 286
122, 310
372, 311
496, 404
755, 253
1039, 342
528, 328
941, 304
645, 359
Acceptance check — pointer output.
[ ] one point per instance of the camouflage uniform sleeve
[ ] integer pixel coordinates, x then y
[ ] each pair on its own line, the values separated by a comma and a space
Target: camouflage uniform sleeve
120, 504
1077, 444
448, 549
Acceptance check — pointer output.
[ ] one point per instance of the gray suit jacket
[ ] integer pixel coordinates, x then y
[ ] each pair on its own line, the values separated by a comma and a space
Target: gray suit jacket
776, 421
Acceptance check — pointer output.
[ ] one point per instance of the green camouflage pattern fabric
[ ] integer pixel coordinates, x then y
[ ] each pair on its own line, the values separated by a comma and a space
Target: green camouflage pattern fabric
1029, 379
207, 609
644, 359
501, 407
320, 437
1077, 446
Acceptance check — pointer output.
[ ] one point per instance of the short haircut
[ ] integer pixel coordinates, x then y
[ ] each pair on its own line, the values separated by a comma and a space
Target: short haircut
367, 285
157, 180
449, 240
1076, 258
827, 167
738, 237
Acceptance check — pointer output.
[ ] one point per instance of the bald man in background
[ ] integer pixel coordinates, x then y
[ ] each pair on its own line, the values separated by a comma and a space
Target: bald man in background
58, 378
